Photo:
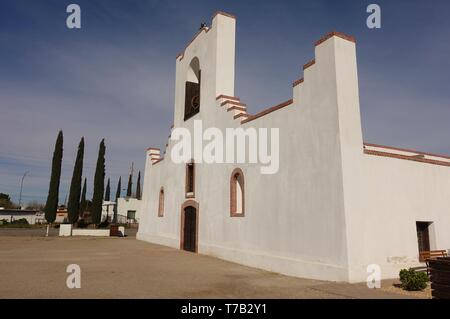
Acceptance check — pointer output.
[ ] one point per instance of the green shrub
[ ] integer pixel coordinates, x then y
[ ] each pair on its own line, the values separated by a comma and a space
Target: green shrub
404, 275
412, 280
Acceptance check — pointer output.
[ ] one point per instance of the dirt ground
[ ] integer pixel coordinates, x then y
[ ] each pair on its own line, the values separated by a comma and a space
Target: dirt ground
35, 267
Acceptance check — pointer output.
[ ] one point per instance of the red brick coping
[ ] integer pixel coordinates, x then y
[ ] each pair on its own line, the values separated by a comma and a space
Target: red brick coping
416, 157
335, 34
267, 111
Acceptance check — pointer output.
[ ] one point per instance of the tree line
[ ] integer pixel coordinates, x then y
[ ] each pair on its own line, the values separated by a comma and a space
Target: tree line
77, 202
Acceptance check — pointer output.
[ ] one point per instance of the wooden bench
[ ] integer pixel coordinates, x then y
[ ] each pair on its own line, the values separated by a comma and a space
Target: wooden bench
421, 269
425, 256
433, 254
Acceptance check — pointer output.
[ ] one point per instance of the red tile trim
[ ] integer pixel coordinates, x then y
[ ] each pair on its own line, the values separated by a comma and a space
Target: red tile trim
240, 115
228, 97
238, 108
297, 82
406, 157
335, 34
267, 111
406, 150
232, 102
310, 63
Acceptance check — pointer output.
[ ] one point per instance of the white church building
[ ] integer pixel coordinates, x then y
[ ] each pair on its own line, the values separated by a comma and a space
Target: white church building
334, 206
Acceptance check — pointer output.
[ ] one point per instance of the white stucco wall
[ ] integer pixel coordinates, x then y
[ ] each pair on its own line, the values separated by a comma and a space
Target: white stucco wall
388, 197
126, 204
108, 210
331, 210
31, 218
276, 233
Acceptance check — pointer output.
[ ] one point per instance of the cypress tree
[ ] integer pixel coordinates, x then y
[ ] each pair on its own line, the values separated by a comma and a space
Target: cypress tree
73, 206
118, 191
107, 192
53, 192
117, 199
130, 183
138, 186
107, 198
83, 202
99, 185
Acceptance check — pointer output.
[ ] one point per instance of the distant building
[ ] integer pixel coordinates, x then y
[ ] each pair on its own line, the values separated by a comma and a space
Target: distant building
108, 210
128, 210
31, 216
61, 215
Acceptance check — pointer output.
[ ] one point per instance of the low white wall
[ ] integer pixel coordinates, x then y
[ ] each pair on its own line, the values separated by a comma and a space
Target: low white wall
65, 230
91, 232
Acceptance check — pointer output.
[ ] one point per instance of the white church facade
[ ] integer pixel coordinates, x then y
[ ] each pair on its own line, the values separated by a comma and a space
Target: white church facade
334, 206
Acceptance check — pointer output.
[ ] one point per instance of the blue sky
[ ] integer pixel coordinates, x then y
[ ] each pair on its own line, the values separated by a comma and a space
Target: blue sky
114, 78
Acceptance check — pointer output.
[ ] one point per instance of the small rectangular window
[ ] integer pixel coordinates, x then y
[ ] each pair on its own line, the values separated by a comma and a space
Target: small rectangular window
131, 214
161, 203
190, 180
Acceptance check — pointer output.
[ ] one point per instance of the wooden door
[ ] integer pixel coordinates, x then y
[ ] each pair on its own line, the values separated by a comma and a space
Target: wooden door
423, 236
190, 229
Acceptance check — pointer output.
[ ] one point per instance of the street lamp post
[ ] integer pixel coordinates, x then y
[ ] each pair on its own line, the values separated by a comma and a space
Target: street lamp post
21, 187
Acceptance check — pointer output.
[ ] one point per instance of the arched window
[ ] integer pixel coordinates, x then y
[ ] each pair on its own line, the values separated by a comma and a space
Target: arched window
237, 194
192, 89
161, 203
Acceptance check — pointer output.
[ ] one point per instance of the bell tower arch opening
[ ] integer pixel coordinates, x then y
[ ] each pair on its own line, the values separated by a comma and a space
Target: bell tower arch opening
192, 89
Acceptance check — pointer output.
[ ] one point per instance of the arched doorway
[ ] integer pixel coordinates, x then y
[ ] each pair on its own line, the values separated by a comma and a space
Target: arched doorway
189, 226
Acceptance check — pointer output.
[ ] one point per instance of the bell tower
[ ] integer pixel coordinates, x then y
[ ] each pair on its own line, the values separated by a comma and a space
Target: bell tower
205, 69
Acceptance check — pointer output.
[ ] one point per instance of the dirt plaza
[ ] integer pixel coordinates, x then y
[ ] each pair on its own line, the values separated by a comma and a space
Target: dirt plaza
32, 266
